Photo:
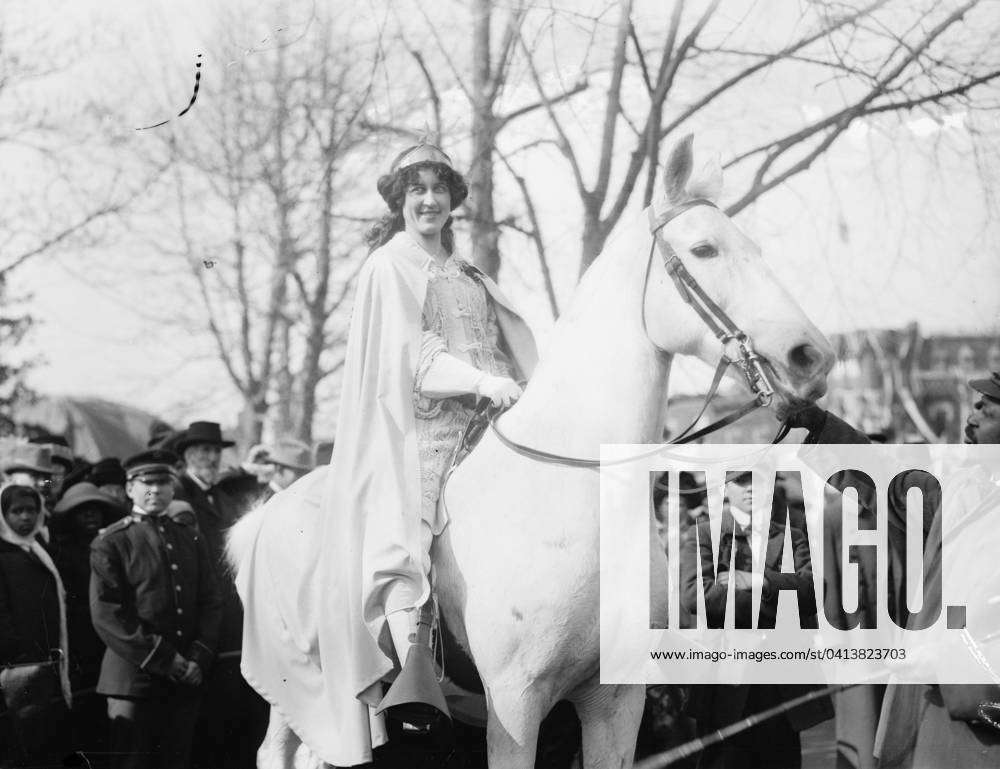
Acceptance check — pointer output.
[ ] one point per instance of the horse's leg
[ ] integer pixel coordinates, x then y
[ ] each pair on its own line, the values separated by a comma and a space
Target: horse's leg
512, 725
609, 719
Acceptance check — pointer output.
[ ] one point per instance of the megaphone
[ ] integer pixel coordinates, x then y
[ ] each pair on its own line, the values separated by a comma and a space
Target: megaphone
415, 697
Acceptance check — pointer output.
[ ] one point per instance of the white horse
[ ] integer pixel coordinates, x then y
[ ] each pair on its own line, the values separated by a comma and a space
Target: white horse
516, 570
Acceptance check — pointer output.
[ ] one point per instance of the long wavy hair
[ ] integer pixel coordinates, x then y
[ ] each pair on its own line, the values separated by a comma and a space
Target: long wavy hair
392, 187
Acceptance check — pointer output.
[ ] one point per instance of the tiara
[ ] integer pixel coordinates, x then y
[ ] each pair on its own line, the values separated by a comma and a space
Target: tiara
425, 150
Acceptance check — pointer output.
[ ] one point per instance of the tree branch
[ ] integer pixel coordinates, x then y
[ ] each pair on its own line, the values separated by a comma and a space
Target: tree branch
55, 240
564, 144
709, 97
536, 235
641, 57
435, 98
836, 124
502, 121
612, 104
664, 87
774, 149
511, 31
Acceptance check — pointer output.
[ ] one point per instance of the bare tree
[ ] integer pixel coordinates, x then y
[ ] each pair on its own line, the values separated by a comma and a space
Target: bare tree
51, 201
491, 60
274, 271
884, 57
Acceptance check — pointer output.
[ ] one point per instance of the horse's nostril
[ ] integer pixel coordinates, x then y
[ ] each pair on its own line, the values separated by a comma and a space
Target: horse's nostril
804, 360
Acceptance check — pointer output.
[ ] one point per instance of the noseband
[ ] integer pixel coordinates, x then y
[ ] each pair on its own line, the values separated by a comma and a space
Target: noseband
737, 349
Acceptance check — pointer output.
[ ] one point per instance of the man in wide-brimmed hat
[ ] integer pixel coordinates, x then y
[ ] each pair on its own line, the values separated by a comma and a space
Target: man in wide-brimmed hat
200, 446
29, 464
234, 716
291, 459
62, 458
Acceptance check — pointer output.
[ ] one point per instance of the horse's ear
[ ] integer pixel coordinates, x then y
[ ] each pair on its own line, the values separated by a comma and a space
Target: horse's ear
708, 183
678, 170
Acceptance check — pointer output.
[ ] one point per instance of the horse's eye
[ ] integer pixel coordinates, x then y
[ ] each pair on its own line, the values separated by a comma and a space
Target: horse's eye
704, 251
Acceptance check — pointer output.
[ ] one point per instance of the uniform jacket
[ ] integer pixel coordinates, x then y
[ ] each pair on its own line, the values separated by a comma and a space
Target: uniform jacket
153, 594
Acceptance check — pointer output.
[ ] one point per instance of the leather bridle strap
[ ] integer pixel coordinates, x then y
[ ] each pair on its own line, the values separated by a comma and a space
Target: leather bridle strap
711, 314
718, 322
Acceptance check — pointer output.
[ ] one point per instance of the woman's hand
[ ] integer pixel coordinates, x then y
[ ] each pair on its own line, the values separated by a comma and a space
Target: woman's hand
501, 390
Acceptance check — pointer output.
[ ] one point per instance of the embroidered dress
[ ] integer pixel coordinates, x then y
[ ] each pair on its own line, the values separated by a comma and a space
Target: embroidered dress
458, 319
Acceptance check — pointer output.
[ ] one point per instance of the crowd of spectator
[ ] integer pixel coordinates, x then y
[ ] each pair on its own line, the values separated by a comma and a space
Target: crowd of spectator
120, 626
875, 726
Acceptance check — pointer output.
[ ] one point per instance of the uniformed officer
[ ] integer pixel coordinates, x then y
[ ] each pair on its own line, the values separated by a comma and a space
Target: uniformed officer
155, 602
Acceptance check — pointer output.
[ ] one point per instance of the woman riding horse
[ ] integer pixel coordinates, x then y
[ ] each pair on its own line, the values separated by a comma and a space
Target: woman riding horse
517, 568
430, 334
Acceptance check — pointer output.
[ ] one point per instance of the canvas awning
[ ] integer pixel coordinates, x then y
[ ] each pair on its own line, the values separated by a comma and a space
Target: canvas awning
94, 427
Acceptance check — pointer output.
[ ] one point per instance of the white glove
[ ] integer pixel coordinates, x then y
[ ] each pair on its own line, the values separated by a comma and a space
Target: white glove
501, 390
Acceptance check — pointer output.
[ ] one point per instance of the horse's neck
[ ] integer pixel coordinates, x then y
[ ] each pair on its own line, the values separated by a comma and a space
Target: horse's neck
601, 379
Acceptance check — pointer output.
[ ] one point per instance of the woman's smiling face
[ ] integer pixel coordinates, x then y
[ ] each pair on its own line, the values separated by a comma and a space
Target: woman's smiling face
427, 205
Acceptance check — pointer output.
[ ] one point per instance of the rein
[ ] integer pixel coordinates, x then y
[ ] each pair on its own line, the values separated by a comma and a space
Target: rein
736, 345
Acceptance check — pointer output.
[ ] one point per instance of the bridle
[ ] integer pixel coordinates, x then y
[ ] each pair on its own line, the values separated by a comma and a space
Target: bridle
737, 349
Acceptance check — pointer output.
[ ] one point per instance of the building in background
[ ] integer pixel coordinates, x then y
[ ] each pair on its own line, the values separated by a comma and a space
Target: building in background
892, 381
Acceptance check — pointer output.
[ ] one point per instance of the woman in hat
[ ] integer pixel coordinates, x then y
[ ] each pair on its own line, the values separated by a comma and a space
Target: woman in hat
81, 513
430, 334
435, 321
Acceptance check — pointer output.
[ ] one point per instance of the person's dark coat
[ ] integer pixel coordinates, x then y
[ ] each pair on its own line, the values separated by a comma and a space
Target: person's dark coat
29, 630
716, 706
153, 593
234, 717
922, 726
29, 607
732, 535
217, 510
86, 649
833, 430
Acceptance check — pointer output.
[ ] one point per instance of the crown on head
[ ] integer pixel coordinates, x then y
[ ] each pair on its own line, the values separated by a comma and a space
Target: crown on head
426, 149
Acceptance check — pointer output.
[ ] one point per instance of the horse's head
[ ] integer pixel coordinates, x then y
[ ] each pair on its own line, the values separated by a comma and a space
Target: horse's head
728, 267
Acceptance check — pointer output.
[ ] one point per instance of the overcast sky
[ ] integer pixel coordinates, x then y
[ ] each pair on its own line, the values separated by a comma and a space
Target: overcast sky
889, 227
